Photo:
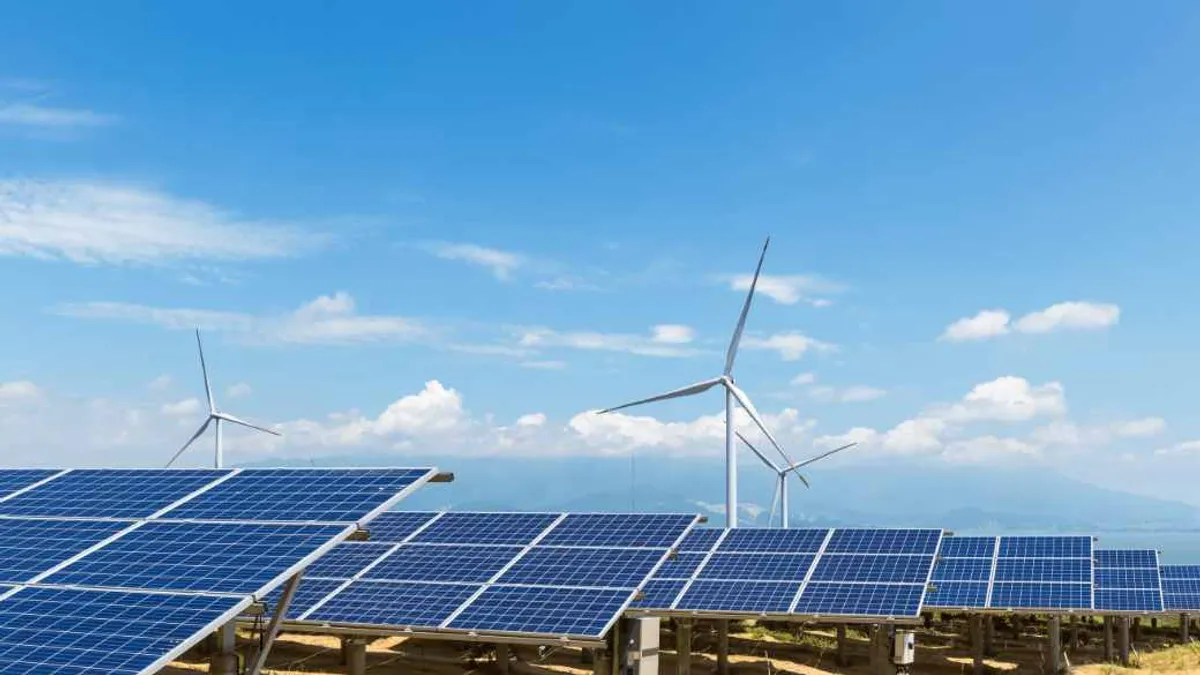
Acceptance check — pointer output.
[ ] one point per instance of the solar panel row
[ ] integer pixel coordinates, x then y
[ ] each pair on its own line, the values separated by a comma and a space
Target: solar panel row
1128, 581
1181, 587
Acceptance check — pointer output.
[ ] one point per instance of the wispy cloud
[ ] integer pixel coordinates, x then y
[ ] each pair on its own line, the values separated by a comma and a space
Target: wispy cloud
33, 115
326, 320
665, 340
791, 346
501, 263
94, 222
1075, 315
789, 289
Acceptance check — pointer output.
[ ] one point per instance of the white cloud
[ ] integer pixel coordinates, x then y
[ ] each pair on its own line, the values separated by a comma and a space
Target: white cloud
327, 320
857, 393
34, 115
803, 379
652, 345
673, 334
501, 263
160, 383
239, 390
1007, 399
1184, 448
617, 432
1074, 315
544, 365
1062, 433
916, 435
188, 406
988, 449
791, 346
20, 390
94, 222
434, 409
532, 420
788, 289
1140, 428
986, 324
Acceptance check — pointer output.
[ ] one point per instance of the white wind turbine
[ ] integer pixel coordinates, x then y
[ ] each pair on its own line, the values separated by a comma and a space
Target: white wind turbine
215, 417
781, 485
732, 392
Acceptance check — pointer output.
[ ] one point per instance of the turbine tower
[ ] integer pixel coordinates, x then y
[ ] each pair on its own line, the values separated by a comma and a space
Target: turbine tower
215, 417
732, 393
781, 486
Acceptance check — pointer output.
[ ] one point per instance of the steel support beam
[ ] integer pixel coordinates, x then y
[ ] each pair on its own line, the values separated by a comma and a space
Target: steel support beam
1184, 624
281, 608
224, 659
1108, 639
843, 657
723, 647
356, 656
975, 629
502, 658
683, 646
1054, 662
989, 636
1123, 640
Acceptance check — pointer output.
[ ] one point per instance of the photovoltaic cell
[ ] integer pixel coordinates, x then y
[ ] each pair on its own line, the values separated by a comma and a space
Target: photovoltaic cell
556, 611
618, 530
682, 566
461, 563
660, 593
300, 495
1182, 602
598, 568
486, 528
957, 595
758, 566
109, 493
214, 557
387, 603
842, 599
1127, 558
968, 547
30, 547
307, 594
12, 480
1129, 600
346, 560
1180, 571
396, 526
1044, 569
878, 568
1026, 595
768, 540
94, 632
700, 540
963, 569
739, 596
919, 542
1046, 547
1128, 580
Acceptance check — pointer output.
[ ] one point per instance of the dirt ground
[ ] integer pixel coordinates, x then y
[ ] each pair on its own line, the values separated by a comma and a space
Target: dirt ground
754, 650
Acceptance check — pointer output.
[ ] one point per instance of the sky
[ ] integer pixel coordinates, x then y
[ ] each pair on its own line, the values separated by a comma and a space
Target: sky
460, 229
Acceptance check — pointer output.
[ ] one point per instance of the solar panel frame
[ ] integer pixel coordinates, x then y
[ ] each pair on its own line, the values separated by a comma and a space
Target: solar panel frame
1127, 581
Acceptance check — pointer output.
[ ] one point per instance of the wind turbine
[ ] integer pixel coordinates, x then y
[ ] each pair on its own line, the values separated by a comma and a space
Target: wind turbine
215, 417
732, 392
781, 486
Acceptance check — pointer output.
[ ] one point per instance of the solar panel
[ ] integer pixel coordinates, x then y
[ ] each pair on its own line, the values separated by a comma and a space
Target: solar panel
561, 611
390, 603
1044, 569
308, 593
347, 559
303, 495
12, 480
963, 573
30, 547
1180, 571
597, 568
1045, 596
886, 568
759, 566
1128, 580
99, 632
770, 540
846, 599
618, 530
396, 526
1181, 587
682, 566
215, 557
461, 563
660, 593
1046, 547
919, 542
957, 594
487, 528
109, 493
963, 569
771, 597
968, 547
700, 540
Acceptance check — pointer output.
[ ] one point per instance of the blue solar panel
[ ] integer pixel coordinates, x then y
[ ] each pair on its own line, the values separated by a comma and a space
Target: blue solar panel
700, 540
1144, 558
1180, 571
486, 528
214, 557
396, 526
1127, 578
1129, 600
109, 493
346, 560
310, 592
93, 632
418, 562
30, 547
1182, 602
751, 540
739, 596
968, 547
682, 566
1046, 547
757, 566
599, 568
889, 568
12, 480
300, 495
618, 530
1033, 596
963, 569
1181, 586
660, 593
556, 611
919, 542
388, 603
840, 599
1044, 569
958, 595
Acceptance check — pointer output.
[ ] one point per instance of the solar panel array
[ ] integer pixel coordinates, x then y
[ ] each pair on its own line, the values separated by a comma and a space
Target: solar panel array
1035, 573
1181, 587
1127, 580
540, 574
844, 573
114, 572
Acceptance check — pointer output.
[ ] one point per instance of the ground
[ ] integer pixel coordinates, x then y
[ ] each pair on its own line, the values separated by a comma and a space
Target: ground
754, 650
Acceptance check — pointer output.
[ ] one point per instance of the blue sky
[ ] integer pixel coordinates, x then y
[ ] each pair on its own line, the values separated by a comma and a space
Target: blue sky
508, 199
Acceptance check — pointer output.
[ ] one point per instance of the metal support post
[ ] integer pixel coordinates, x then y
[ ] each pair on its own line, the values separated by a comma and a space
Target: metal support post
281, 608
356, 656
1055, 657
975, 629
1108, 639
224, 659
683, 646
989, 636
1073, 643
843, 658
723, 647
502, 658
1184, 624
1123, 641
1137, 629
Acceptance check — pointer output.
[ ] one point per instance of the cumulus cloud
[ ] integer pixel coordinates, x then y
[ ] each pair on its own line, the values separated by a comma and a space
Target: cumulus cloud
1075, 315
94, 222
186, 407
791, 346
788, 289
1007, 399
532, 420
675, 334
20, 390
501, 263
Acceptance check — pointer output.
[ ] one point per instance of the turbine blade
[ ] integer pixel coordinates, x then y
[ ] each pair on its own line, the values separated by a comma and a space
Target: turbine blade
212, 407
690, 390
774, 503
821, 456
236, 420
758, 453
199, 432
741, 324
744, 400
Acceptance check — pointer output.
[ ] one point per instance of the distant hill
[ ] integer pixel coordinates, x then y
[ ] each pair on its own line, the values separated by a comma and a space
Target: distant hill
883, 494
